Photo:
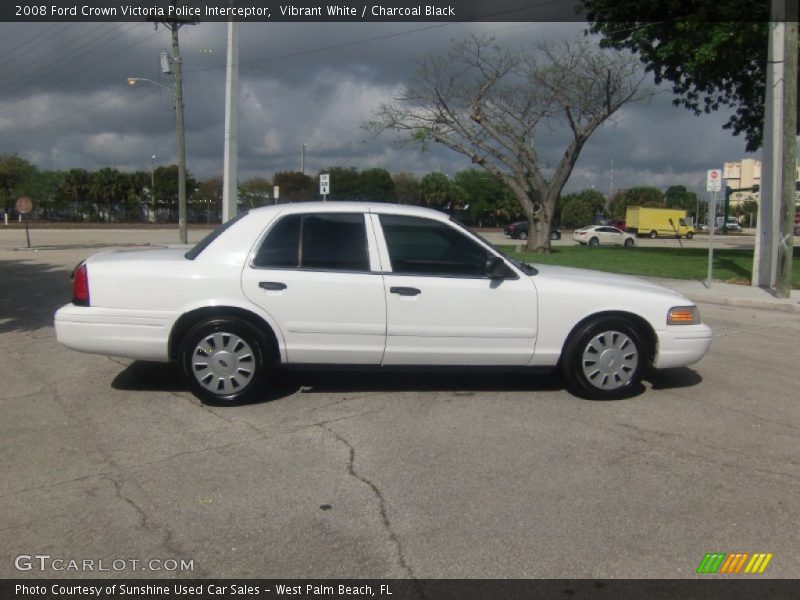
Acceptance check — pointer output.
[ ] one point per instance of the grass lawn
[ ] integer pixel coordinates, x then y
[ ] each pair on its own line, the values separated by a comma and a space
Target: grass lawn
732, 266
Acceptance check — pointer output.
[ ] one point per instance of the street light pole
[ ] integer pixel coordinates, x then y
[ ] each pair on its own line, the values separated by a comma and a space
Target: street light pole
153, 185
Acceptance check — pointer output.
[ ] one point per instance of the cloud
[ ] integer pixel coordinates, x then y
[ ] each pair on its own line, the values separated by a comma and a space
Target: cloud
65, 102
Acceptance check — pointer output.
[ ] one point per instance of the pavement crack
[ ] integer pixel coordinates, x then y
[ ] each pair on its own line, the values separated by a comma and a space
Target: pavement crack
146, 522
387, 525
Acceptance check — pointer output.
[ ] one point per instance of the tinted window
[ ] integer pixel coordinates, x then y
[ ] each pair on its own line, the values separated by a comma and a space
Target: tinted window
280, 247
333, 241
427, 247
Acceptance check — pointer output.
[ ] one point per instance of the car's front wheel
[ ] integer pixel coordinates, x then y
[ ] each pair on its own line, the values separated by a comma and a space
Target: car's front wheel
604, 359
689, 235
523, 235
225, 360
594, 242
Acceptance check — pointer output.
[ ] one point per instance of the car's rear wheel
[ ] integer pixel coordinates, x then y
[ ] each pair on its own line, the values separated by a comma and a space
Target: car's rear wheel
555, 235
224, 361
653, 235
604, 359
594, 242
628, 242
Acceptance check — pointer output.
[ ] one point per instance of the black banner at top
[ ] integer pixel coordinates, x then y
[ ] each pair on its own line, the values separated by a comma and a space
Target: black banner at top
262, 11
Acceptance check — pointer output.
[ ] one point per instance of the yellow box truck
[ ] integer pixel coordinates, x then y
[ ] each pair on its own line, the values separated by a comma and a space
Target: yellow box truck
654, 222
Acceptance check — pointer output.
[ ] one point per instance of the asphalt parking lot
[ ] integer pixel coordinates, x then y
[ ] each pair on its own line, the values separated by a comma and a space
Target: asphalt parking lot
395, 475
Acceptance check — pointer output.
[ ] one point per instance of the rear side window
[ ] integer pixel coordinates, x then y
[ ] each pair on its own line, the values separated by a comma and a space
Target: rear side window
427, 247
326, 241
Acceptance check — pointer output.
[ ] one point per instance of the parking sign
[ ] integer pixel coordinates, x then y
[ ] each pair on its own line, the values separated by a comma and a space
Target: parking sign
324, 184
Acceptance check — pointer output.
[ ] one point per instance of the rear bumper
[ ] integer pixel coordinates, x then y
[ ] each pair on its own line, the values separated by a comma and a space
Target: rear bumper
681, 346
141, 335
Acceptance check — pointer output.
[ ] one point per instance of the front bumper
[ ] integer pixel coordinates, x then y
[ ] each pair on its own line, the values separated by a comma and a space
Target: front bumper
141, 335
682, 345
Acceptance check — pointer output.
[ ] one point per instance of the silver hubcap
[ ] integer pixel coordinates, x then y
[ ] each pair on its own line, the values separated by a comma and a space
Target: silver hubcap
609, 360
223, 363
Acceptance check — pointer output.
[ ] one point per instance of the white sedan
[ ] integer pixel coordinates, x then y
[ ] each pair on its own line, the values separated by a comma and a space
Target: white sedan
603, 235
369, 285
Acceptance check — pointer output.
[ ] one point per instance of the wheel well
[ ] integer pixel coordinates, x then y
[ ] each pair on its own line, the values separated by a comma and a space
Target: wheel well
648, 334
187, 320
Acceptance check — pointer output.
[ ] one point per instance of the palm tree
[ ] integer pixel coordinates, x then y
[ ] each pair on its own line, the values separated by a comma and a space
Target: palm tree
75, 186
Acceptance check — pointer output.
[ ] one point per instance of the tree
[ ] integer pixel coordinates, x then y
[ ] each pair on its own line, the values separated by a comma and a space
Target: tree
255, 191
43, 188
677, 196
578, 209
295, 186
166, 188
712, 61
490, 104
208, 197
75, 185
406, 186
434, 190
376, 185
13, 171
636, 196
489, 201
344, 183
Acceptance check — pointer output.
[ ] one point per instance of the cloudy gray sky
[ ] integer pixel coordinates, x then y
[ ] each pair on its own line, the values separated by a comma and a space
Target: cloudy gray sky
64, 102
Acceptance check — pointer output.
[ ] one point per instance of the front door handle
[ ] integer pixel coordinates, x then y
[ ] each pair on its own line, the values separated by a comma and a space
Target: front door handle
273, 286
405, 291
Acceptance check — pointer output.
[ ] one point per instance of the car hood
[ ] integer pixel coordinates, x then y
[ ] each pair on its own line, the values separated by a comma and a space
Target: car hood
601, 279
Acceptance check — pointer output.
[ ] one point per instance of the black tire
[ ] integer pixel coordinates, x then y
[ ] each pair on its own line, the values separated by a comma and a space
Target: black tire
239, 362
621, 358
628, 243
555, 235
523, 235
653, 235
594, 242
689, 235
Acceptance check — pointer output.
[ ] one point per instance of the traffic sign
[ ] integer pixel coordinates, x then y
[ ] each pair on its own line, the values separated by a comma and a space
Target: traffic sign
324, 184
714, 180
24, 205
276, 192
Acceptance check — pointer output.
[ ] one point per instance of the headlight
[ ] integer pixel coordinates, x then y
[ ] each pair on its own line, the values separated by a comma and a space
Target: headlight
683, 315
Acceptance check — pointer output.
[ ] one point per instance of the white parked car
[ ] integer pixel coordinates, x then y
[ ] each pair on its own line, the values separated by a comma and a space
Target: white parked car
603, 235
343, 283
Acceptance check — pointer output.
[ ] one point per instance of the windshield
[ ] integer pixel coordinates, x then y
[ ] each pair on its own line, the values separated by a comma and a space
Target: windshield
524, 267
206, 241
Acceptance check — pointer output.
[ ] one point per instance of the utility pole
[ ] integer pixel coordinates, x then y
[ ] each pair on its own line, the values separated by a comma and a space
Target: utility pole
785, 213
173, 25
303, 159
153, 186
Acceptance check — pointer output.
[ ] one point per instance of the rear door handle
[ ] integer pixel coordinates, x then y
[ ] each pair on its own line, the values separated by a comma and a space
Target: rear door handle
273, 286
405, 291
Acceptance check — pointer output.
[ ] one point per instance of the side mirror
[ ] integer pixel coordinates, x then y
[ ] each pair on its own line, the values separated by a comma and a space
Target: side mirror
496, 268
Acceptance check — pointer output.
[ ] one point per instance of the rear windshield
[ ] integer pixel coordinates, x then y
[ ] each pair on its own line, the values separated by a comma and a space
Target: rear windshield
206, 241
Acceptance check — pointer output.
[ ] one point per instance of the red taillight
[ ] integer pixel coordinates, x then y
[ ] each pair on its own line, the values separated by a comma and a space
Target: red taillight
80, 286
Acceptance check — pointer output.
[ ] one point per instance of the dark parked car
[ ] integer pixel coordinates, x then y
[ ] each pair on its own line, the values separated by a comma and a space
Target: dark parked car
519, 231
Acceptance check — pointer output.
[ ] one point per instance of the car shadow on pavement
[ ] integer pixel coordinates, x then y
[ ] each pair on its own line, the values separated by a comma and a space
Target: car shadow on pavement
668, 379
31, 293
143, 376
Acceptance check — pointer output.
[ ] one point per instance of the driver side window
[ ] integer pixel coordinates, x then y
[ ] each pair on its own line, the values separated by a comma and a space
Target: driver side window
420, 246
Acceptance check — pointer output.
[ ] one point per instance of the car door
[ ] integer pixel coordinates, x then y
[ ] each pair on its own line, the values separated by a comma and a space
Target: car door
614, 236
313, 273
442, 309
